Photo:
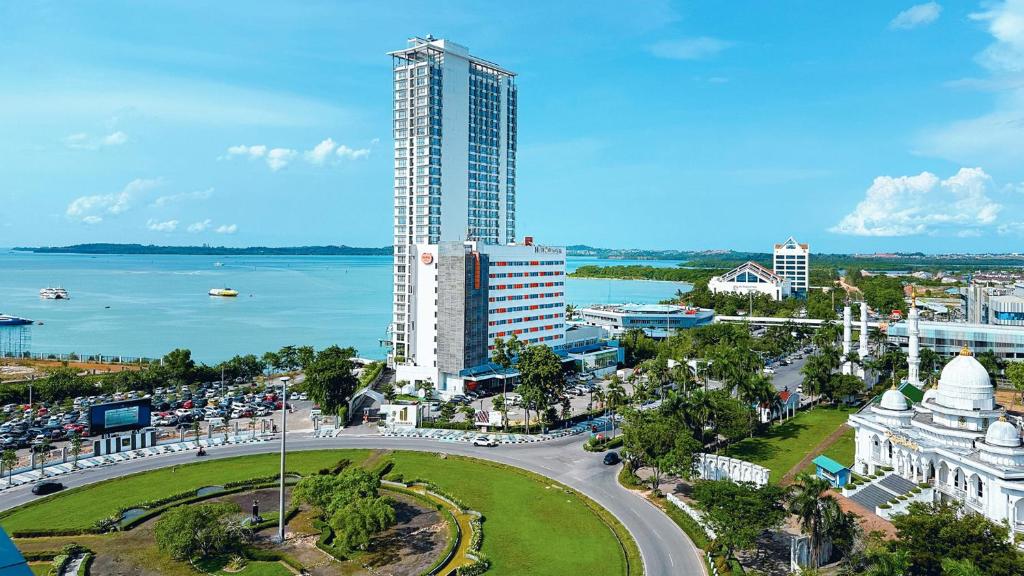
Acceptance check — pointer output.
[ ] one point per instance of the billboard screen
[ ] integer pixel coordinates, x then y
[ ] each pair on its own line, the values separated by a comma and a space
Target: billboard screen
119, 416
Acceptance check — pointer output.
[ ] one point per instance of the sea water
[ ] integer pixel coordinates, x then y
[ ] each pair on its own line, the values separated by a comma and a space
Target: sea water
146, 305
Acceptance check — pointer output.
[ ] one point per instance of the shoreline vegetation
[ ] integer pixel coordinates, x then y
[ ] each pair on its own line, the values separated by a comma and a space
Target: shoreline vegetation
150, 249
637, 272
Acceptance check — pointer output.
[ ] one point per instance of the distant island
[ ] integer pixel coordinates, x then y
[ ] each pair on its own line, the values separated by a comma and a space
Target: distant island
123, 249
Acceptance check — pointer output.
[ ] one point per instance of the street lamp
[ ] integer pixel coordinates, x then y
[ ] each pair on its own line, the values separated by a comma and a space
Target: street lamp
284, 432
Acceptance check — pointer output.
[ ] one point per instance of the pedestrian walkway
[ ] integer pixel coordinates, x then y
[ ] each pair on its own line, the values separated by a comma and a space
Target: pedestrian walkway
603, 423
29, 476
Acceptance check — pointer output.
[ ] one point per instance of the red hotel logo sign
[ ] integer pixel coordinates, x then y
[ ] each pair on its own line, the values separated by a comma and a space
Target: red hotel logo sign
426, 258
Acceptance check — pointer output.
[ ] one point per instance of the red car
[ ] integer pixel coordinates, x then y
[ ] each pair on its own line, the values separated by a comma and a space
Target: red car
187, 404
76, 428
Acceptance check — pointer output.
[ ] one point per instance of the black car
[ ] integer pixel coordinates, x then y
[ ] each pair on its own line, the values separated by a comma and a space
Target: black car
44, 488
611, 458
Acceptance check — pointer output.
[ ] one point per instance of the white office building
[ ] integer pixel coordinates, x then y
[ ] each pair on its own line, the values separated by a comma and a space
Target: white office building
455, 160
792, 260
751, 278
470, 293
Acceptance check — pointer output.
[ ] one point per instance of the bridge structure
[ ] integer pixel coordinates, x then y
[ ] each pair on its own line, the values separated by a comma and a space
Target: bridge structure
774, 321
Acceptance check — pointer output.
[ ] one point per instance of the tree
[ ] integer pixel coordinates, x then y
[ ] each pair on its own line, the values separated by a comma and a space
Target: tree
178, 365
76, 449
653, 438
43, 449
195, 430
329, 379
388, 390
271, 362
814, 509
993, 364
930, 533
731, 418
447, 411
305, 355
355, 524
1015, 374
203, 530
8, 460
498, 403
570, 312
739, 512
469, 413
842, 386
541, 381
289, 357
63, 382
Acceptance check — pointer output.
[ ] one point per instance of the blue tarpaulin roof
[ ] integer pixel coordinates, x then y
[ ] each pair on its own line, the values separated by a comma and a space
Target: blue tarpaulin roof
828, 464
12, 563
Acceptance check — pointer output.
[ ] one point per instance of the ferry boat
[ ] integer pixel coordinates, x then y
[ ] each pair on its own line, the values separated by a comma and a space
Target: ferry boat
6, 320
54, 294
224, 292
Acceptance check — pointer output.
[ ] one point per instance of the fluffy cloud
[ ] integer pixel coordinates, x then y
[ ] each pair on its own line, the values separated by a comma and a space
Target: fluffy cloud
923, 204
695, 48
182, 197
996, 137
227, 229
320, 152
200, 226
352, 154
915, 16
90, 209
157, 226
319, 155
82, 140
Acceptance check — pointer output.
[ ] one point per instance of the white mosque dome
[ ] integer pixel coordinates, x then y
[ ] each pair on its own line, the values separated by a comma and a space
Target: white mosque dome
1002, 433
893, 399
965, 384
929, 394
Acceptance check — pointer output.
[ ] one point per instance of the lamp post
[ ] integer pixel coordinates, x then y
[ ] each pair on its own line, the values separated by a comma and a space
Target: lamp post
284, 432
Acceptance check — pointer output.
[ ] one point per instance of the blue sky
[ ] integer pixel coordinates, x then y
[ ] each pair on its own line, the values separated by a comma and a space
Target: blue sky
865, 126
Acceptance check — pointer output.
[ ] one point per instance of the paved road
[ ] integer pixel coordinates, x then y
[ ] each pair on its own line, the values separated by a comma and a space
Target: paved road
665, 548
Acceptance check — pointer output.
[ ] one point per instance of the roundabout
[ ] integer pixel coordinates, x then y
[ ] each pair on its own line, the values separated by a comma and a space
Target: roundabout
532, 525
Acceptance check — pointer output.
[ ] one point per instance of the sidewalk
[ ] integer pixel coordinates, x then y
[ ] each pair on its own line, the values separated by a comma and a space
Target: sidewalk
602, 423
26, 476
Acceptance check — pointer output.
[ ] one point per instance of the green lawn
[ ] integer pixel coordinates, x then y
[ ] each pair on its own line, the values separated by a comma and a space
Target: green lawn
82, 508
252, 568
786, 444
40, 568
842, 451
531, 527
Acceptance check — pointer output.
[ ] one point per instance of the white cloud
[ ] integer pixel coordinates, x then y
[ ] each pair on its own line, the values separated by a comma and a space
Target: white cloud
320, 152
278, 158
995, 138
923, 204
227, 229
157, 226
694, 48
82, 140
352, 154
256, 151
182, 197
200, 226
915, 16
89, 208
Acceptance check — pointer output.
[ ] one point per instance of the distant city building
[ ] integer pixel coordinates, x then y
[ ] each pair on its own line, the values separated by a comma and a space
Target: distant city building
751, 277
792, 260
451, 105
947, 338
467, 295
996, 302
956, 442
656, 320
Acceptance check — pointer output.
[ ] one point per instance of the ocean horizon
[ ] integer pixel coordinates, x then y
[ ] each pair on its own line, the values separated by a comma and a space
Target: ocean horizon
147, 305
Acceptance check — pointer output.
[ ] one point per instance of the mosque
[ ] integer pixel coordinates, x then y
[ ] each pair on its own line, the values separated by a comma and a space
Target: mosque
956, 439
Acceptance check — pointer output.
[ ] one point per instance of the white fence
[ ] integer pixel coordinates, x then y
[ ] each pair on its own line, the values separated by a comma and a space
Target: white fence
715, 467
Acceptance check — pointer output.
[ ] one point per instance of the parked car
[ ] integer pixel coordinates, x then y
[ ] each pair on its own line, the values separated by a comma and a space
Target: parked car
486, 441
768, 370
49, 487
611, 458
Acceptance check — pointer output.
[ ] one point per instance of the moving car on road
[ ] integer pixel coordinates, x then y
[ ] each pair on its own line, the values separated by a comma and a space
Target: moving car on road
44, 488
483, 440
611, 458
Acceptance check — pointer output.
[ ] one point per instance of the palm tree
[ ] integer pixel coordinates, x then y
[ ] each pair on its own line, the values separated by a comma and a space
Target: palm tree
814, 509
884, 563
8, 460
570, 312
965, 567
878, 339
700, 406
76, 449
44, 452
616, 393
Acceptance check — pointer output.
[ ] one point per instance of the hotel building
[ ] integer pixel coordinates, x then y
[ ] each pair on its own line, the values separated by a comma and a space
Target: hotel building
792, 260
455, 161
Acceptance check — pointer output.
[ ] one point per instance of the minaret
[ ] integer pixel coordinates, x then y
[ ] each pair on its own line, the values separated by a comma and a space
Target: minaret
864, 352
913, 331
847, 337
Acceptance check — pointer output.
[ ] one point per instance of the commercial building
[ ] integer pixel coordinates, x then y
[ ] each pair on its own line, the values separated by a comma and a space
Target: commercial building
947, 338
468, 294
656, 320
792, 260
751, 277
998, 303
956, 441
455, 107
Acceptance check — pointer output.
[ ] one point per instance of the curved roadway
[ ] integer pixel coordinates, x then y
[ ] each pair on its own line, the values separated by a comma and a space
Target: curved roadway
665, 548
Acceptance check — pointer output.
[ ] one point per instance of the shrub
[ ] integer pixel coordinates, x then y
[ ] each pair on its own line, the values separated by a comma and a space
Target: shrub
474, 569
885, 506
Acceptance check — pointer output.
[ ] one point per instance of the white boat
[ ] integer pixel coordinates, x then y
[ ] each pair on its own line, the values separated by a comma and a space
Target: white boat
224, 292
54, 294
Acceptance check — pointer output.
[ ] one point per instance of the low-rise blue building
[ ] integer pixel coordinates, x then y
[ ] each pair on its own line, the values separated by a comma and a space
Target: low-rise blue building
827, 468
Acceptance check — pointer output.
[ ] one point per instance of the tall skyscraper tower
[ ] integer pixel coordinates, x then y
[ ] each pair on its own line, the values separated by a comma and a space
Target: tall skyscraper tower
792, 260
455, 159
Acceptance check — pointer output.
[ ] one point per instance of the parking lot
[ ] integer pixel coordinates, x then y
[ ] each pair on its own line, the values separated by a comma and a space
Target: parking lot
175, 412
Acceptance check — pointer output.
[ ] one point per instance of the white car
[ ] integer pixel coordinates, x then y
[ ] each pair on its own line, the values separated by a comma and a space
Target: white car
768, 370
486, 441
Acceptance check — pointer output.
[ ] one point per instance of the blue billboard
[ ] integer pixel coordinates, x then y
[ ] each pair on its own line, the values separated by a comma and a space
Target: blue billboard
119, 416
